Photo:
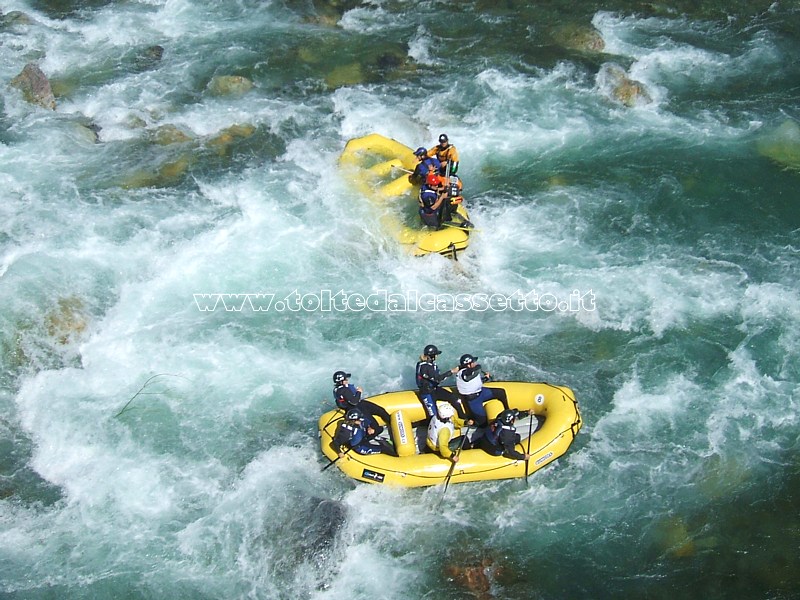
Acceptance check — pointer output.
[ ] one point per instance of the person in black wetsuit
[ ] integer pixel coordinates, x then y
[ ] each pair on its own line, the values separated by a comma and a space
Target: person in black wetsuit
501, 437
428, 380
347, 395
355, 433
427, 164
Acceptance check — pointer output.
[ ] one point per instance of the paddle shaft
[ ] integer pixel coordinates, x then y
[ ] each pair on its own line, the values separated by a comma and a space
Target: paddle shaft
333, 462
453, 465
528, 452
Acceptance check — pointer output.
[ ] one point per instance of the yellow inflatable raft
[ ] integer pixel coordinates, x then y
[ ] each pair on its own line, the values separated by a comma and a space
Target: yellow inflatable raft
378, 167
555, 428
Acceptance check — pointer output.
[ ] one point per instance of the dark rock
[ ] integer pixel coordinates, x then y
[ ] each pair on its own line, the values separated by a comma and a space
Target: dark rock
35, 86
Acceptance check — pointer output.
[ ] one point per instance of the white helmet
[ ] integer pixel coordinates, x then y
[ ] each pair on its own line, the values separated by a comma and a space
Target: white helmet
445, 410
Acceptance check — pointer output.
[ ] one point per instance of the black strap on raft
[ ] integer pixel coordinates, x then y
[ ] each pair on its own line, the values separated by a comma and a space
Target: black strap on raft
451, 249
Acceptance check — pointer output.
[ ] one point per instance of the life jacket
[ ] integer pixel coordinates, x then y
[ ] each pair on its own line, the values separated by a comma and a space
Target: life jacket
444, 154
426, 383
434, 427
494, 431
429, 165
454, 188
339, 397
471, 387
427, 197
352, 432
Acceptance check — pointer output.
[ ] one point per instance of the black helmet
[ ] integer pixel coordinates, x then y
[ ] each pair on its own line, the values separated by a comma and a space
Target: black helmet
431, 350
466, 359
443, 138
354, 414
420, 151
340, 376
507, 417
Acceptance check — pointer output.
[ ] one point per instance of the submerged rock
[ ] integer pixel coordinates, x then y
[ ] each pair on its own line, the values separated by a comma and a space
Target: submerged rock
583, 38
477, 577
15, 17
35, 86
149, 57
782, 145
222, 141
323, 526
229, 85
351, 74
166, 135
67, 321
613, 81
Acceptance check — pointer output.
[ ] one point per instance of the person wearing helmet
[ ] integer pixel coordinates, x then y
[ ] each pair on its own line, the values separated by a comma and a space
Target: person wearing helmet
442, 436
469, 382
501, 437
428, 380
432, 198
446, 154
356, 433
346, 395
427, 164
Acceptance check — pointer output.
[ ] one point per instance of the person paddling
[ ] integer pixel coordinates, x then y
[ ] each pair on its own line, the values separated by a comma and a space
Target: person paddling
501, 437
442, 437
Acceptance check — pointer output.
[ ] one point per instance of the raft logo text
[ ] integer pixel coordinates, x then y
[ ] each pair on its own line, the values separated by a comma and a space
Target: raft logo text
384, 301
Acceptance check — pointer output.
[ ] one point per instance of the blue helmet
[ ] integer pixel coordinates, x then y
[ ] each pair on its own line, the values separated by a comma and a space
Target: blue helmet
420, 151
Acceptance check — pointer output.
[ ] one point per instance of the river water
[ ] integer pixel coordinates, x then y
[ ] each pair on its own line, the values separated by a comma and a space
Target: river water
633, 166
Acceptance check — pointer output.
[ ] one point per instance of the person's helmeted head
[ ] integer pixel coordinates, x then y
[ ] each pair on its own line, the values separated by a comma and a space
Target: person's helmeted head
445, 410
467, 359
340, 376
443, 141
507, 417
354, 414
431, 351
433, 180
421, 152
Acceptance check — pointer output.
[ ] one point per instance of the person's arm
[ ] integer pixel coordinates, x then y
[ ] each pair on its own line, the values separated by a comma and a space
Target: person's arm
468, 374
460, 423
446, 374
443, 443
341, 439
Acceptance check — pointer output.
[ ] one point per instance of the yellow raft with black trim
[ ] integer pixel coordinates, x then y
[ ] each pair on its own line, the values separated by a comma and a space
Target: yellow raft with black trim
378, 167
556, 423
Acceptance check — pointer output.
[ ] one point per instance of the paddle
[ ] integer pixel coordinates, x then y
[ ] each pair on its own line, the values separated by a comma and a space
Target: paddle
528, 452
404, 170
454, 226
453, 465
333, 462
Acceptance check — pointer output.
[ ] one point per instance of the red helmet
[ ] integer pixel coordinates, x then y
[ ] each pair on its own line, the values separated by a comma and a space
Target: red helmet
433, 179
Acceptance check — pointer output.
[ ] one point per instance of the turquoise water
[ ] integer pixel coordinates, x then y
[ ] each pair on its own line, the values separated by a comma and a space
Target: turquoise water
151, 449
